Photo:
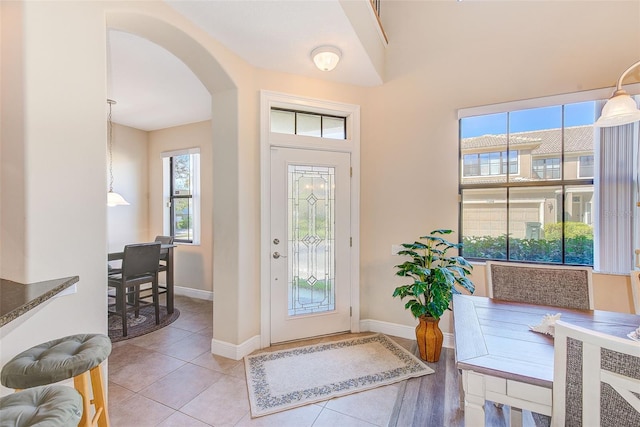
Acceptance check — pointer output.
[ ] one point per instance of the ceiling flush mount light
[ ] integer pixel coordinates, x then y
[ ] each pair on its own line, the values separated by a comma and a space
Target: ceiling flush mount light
113, 199
620, 109
326, 57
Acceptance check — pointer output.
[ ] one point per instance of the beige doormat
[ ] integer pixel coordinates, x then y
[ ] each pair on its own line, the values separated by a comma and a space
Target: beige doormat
286, 379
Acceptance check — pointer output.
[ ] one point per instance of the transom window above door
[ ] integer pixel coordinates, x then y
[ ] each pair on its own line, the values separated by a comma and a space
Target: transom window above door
293, 122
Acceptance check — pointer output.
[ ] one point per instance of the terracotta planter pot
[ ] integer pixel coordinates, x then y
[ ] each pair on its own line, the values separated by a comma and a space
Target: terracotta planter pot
429, 337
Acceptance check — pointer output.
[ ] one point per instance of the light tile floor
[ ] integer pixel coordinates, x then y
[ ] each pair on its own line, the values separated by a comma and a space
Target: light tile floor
170, 378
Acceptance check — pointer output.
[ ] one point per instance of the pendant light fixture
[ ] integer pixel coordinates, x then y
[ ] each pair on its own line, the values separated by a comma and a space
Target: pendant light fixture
113, 198
620, 109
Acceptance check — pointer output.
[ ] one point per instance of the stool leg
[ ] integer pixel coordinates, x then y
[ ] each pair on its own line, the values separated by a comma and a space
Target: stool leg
81, 383
99, 399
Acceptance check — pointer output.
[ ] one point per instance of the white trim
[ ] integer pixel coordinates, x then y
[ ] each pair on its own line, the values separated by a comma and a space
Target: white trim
402, 331
193, 293
545, 101
351, 112
196, 194
233, 351
195, 150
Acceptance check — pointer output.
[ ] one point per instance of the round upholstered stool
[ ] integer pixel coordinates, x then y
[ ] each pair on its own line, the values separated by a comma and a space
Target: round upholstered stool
51, 406
76, 356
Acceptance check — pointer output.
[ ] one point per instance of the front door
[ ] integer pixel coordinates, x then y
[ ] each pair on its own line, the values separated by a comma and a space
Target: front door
310, 243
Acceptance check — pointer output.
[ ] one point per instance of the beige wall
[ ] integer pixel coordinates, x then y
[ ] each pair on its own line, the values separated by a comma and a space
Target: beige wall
54, 156
129, 224
193, 263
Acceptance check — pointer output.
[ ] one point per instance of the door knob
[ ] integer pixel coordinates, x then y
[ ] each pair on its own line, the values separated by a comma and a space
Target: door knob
277, 255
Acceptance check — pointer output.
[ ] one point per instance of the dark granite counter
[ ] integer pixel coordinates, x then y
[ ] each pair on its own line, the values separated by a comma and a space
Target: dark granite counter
18, 298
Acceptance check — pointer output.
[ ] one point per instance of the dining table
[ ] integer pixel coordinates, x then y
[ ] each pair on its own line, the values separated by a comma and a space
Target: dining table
503, 361
167, 249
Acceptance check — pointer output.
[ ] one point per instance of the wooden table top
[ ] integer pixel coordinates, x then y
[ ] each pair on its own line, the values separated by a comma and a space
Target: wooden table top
114, 256
494, 337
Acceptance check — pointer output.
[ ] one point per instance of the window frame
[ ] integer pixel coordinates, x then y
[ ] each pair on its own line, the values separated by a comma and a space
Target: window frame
322, 116
598, 95
509, 184
579, 167
169, 196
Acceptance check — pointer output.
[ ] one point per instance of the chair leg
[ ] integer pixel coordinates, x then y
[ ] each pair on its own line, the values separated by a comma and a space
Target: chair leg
136, 299
122, 298
156, 299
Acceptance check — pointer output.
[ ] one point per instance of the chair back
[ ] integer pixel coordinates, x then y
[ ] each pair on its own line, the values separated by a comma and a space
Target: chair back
555, 285
165, 240
140, 259
635, 290
596, 379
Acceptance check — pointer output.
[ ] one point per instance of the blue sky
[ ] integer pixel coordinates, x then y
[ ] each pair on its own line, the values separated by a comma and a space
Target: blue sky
527, 120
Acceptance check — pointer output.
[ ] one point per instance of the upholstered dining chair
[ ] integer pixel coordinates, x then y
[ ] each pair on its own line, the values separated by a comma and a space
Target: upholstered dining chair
635, 290
139, 267
559, 286
165, 240
596, 379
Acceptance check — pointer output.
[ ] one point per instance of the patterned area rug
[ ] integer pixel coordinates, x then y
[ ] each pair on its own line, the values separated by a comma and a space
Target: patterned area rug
142, 325
286, 379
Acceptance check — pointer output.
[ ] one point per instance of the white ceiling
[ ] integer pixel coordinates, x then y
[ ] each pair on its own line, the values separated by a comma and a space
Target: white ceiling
155, 90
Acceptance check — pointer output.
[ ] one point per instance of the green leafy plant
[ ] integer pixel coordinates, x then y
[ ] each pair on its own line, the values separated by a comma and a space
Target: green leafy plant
436, 275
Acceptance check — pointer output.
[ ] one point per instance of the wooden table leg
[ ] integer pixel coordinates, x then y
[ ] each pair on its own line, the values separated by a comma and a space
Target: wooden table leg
474, 399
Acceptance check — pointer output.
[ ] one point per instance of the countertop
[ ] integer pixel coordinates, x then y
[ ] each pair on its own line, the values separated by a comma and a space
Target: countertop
18, 298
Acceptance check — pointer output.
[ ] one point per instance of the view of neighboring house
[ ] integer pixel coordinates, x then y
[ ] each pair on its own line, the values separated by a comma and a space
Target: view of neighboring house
527, 158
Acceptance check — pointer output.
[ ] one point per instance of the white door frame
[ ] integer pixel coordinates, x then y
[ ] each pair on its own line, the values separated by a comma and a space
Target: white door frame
267, 140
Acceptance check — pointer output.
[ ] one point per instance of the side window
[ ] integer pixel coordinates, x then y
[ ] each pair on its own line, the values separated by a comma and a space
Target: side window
182, 195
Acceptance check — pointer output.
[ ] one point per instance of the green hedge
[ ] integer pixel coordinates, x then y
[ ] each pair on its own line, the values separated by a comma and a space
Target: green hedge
578, 249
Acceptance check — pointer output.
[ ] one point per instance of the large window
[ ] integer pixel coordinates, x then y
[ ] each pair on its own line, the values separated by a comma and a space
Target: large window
537, 206
181, 170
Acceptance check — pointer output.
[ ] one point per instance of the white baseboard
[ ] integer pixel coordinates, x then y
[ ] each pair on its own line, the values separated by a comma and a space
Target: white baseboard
238, 351
235, 351
193, 293
396, 330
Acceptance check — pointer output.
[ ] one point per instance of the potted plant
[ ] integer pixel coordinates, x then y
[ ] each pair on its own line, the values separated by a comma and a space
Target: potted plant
436, 277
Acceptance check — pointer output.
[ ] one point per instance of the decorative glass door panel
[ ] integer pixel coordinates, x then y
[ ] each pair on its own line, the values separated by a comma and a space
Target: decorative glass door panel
310, 251
311, 239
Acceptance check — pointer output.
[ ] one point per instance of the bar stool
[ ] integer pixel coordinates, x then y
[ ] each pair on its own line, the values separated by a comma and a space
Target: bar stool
52, 406
75, 356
